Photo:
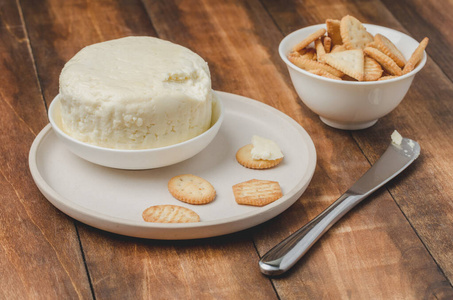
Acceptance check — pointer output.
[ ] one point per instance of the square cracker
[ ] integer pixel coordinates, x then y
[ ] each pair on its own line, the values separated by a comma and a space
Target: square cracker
309, 39
308, 65
372, 69
416, 56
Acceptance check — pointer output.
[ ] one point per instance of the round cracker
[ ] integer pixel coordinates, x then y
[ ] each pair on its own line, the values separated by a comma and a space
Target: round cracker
308, 65
170, 214
373, 70
323, 73
389, 49
372, 45
327, 41
309, 39
416, 57
386, 62
244, 157
338, 48
320, 50
310, 54
387, 77
191, 189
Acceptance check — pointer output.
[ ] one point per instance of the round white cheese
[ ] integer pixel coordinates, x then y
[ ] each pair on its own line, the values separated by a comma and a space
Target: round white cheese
135, 93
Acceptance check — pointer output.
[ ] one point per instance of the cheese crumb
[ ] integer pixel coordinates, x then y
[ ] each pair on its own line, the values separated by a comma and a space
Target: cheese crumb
396, 138
265, 149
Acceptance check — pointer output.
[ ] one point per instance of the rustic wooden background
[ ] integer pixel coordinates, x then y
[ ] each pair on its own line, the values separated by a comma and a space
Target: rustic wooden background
396, 245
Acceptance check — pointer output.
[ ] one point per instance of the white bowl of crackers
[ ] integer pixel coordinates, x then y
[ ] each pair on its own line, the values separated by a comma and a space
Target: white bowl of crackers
349, 73
144, 158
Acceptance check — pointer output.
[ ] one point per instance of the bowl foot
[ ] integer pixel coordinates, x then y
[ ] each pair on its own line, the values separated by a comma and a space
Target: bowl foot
348, 126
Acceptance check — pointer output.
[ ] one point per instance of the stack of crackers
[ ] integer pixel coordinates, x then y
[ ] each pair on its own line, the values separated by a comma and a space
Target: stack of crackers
345, 50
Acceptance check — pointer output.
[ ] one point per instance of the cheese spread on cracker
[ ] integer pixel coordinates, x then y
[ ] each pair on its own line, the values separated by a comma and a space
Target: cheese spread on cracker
265, 149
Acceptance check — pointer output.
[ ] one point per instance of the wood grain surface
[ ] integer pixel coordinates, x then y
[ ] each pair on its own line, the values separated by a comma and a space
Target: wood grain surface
40, 254
396, 245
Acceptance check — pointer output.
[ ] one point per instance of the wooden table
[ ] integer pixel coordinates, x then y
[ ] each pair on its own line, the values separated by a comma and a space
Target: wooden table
396, 245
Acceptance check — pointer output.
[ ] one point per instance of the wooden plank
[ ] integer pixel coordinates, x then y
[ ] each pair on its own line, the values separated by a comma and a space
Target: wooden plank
39, 249
58, 30
220, 268
376, 262
224, 33
424, 115
429, 119
215, 268
237, 44
432, 19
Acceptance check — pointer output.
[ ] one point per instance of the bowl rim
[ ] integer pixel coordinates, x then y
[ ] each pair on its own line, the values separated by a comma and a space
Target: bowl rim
55, 127
289, 64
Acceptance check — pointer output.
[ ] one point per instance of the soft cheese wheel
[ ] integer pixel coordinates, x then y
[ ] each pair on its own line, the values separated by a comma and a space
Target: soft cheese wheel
135, 93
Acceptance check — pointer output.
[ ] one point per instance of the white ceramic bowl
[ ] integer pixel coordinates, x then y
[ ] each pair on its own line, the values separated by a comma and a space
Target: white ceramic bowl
350, 104
138, 159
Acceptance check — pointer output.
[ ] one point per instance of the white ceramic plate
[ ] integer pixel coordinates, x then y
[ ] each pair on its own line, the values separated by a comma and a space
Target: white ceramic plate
113, 199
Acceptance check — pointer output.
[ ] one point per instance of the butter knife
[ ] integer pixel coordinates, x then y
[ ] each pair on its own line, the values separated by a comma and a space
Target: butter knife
284, 255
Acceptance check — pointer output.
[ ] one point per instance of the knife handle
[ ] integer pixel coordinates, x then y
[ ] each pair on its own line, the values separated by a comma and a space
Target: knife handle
285, 254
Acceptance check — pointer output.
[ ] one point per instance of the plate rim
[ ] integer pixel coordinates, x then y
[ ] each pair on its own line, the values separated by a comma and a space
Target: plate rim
79, 212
